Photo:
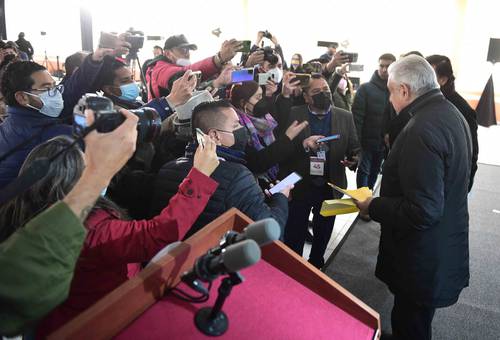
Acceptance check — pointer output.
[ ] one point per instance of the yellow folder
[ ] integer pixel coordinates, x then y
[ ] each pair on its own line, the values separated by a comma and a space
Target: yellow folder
338, 207
345, 205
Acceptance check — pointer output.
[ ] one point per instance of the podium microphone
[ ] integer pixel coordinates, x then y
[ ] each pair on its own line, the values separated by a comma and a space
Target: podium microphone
209, 266
263, 232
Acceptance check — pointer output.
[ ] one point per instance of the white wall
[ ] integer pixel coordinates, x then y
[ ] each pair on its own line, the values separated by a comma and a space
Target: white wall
458, 28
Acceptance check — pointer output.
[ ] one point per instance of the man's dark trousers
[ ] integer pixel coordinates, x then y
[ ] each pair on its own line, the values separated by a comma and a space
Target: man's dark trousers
298, 217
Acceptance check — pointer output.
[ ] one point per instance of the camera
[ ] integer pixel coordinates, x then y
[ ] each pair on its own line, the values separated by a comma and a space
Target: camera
135, 39
267, 35
270, 55
107, 118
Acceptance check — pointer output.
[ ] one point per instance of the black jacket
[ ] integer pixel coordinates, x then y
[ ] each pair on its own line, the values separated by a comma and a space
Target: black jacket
397, 123
237, 188
422, 208
346, 146
470, 116
25, 46
368, 111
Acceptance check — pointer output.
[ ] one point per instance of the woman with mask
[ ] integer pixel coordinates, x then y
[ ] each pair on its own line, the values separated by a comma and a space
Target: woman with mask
264, 151
342, 95
446, 80
112, 241
296, 63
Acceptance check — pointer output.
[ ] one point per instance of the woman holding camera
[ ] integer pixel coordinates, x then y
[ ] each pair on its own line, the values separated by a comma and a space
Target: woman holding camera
112, 241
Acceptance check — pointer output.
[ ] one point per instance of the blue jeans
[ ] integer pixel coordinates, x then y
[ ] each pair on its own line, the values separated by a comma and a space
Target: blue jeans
369, 167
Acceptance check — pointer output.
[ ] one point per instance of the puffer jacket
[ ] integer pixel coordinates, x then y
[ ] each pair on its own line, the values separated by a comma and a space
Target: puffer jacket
237, 188
368, 111
21, 125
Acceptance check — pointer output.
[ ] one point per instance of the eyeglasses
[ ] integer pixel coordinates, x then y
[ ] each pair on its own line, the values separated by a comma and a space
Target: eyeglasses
182, 50
51, 91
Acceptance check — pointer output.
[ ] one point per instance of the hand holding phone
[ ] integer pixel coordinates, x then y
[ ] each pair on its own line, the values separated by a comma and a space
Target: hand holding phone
287, 181
329, 138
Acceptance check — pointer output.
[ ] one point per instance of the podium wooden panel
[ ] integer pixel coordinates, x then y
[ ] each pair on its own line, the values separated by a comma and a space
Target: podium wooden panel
128, 302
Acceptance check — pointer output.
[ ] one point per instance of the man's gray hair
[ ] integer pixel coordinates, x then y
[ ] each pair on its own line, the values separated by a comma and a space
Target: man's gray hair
416, 73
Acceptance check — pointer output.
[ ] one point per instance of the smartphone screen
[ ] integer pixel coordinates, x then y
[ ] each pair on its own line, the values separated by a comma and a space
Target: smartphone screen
79, 123
329, 138
288, 180
240, 76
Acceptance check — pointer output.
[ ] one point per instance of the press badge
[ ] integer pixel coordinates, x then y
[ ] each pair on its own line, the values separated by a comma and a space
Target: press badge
317, 166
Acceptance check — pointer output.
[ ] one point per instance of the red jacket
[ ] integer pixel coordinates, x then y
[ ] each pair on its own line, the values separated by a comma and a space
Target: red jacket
159, 75
112, 243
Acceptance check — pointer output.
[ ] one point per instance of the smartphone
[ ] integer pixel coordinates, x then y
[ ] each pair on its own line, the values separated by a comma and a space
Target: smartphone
288, 180
239, 76
200, 137
352, 56
262, 78
356, 68
107, 40
303, 77
328, 44
196, 74
329, 138
245, 46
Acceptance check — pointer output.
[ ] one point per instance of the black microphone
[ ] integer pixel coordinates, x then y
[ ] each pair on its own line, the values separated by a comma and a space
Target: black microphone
209, 266
263, 232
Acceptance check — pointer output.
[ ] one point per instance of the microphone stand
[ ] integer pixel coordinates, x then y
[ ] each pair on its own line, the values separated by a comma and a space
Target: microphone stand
213, 321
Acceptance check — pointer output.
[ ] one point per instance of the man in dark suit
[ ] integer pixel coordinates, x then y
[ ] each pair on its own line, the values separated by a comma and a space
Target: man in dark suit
424, 251
318, 164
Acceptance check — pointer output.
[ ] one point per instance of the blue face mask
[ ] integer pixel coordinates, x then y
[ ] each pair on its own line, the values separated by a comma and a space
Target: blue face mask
130, 92
52, 106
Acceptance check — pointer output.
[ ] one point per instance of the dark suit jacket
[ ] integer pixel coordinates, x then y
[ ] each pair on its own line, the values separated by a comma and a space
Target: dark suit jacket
348, 145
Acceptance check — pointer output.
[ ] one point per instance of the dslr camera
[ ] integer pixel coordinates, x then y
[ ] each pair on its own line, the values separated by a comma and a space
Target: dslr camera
270, 55
107, 118
267, 35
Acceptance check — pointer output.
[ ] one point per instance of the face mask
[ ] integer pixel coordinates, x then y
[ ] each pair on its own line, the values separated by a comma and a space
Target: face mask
278, 74
240, 139
342, 86
183, 62
51, 106
261, 108
322, 100
295, 64
130, 92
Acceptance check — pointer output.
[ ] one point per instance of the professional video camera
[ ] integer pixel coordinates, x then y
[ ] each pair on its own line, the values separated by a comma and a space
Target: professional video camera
136, 40
107, 118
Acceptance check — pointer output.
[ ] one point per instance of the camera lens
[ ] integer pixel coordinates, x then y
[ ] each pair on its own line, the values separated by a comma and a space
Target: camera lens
149, 125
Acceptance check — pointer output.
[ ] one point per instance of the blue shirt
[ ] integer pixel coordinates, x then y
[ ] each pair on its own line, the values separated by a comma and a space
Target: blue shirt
320, 126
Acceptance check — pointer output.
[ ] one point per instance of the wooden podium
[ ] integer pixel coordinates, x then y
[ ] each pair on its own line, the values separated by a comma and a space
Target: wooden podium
283, 296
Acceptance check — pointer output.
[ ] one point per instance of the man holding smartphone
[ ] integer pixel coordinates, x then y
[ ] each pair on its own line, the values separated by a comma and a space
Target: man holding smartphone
317, 163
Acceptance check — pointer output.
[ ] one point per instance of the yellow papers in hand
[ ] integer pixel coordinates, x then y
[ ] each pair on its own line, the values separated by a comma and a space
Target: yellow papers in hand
360, 194
338, 207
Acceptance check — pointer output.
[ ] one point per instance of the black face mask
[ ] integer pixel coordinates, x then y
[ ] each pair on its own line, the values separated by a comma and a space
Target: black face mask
322, 100
240, 139
261, 108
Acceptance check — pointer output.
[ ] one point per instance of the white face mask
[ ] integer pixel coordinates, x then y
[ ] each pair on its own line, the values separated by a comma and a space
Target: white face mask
278, 74
52, 106
183, 62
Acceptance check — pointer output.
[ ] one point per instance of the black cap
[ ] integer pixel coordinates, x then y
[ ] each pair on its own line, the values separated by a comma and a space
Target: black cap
179, 41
